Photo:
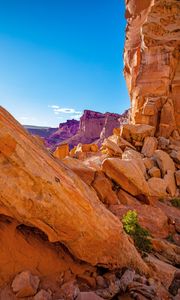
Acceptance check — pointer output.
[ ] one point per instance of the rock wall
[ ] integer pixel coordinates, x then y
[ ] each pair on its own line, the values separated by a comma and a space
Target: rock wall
152, 66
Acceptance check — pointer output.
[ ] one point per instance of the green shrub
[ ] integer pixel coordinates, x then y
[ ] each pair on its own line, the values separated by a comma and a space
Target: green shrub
176, 202
138, 233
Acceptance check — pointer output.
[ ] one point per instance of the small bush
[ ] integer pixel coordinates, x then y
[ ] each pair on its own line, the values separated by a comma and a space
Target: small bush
138, 233
176, 202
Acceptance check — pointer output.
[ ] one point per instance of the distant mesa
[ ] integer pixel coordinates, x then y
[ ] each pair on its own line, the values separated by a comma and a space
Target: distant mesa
93, 127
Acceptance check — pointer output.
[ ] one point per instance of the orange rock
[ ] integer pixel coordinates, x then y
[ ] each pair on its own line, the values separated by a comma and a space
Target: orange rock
87, 174
177, 176
41, 192
150, 145
171, 184
164, 161
104, 189
154, 172
136, 132
127, 174
157, 187
61, 151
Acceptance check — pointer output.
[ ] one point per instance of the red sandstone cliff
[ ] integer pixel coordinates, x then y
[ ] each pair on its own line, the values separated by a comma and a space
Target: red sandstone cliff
152, 66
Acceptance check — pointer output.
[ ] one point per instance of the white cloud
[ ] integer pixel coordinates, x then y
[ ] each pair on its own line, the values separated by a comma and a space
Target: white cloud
53, 106
65, 110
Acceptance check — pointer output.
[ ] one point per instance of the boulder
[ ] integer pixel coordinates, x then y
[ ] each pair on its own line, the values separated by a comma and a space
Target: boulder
104, 188
154, 172
148, 163
112, 147
127, 174
157, 187
131, 154
87, 174
43, 295
161, 270
150, 145
88, 296
25, 284
175, 155
61, 151
177, 176
42, 192
171, 184
136, 132
164, 161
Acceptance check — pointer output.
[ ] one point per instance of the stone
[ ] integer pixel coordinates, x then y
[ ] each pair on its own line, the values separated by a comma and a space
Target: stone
43, 295
127, 174
125, 198
154, 172
163, 143
175, 155
150, 145
104, 188
114, 148
157, 187
164, 161
87, 174
149, 163
131, 154
171, 184
69, 291
61, 151
88, 296
161, 270
168, 250
136, 132
50, 194
177, 176
25, 284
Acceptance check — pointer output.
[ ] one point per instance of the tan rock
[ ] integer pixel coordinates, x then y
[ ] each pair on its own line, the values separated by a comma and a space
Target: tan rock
136, 132
87, 174
154, 172
104, 188
150, 145
168, 250
61, 151
110, 145
149, 163
94, 148
161, 270
171, 184
131, 154
177, 176
43, 295
164, 161
25, 284
42, 192
157, 187
125, 198
175, 155
88, 296
127, 174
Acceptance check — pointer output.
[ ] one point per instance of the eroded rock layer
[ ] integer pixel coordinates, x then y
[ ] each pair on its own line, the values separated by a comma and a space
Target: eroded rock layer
39, 191
152, 65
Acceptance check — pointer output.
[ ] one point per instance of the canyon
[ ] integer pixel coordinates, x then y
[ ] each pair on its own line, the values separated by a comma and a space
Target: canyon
91, 211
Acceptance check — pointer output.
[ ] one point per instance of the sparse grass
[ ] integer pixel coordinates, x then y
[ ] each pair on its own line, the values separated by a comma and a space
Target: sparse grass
176, 202
138, 233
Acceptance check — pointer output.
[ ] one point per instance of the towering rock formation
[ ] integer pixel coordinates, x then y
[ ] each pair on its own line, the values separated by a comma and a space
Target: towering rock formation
152, 65
95, 126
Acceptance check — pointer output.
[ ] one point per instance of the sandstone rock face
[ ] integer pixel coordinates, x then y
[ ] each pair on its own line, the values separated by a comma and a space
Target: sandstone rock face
41, 192
152, 65
61, 151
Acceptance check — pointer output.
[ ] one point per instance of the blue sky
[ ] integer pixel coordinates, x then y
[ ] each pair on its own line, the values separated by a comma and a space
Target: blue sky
59, 57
